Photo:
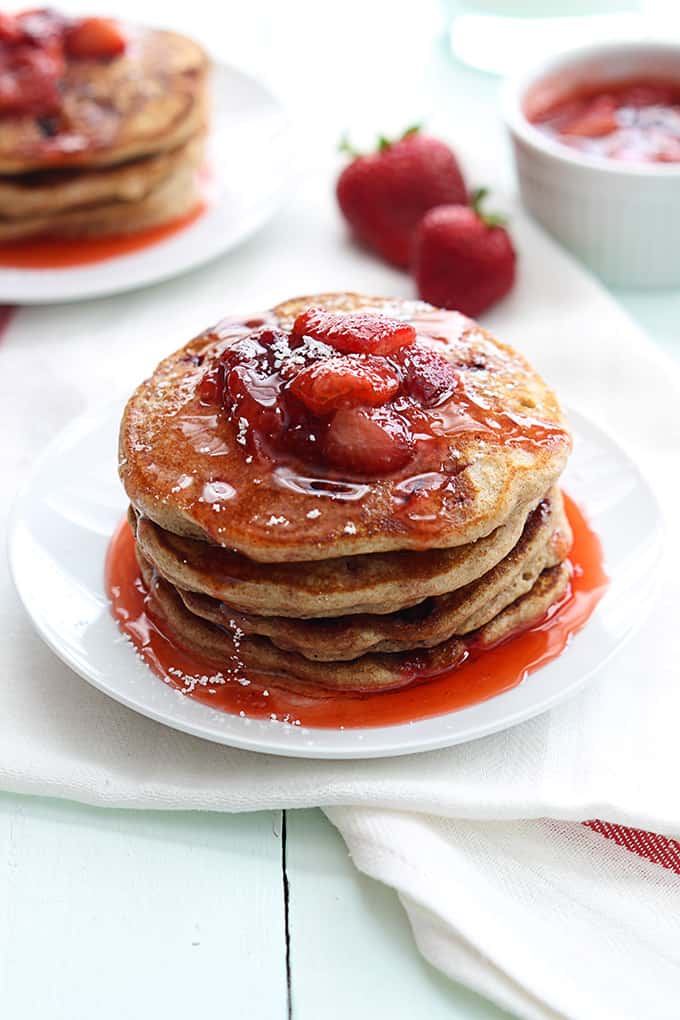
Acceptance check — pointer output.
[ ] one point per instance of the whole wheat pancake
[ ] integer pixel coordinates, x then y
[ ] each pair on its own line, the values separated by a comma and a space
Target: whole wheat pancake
183, 464
545, 542
173, 196
150, 99
46, 193
232, 651
368, 583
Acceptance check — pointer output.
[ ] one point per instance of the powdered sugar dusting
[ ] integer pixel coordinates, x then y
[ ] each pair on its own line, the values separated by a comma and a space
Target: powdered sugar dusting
275, 520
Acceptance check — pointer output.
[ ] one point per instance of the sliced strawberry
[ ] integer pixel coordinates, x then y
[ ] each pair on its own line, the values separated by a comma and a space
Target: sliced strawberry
647, 94
597, 120
328, 385
31, 63
254, 401
29, 82
10, 29
428, 377
95, 38
367, 442
252, 349
41, 27
354, 332
211, 386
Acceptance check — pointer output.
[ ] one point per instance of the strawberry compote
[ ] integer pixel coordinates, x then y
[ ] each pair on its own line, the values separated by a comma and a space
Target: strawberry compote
387, 428
636, 121
358, 392
35, 46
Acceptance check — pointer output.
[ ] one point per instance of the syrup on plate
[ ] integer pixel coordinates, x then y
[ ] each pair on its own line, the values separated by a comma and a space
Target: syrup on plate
483, 675
56, 253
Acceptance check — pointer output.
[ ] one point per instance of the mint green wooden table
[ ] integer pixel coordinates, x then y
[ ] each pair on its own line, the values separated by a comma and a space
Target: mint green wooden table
127, 915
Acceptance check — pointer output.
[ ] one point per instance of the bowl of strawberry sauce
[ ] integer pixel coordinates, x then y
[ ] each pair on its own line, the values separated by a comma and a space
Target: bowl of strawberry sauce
596, 139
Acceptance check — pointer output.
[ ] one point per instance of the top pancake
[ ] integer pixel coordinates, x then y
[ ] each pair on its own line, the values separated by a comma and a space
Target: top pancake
182, 465
150, 99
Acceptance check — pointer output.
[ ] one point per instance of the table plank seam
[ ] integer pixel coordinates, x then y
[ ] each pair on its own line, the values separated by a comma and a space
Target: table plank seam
286, 916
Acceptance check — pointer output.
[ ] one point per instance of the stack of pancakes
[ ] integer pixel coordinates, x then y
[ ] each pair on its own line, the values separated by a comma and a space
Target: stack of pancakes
346, 585
122, 153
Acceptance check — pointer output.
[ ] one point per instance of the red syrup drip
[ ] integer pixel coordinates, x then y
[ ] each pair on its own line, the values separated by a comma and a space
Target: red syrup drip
484, 674
59, 253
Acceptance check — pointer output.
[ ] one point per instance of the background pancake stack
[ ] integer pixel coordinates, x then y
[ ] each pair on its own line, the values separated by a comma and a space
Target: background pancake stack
122, 152
371, 605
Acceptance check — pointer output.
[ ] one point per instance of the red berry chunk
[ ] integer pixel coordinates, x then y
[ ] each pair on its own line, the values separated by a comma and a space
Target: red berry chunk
294, 395
41, 27
598, 119
354, 332
428, 377
32, 47
211, 386
254, 402
646, 93
95, 38
348, 381
10, 29
367, 442
29, 81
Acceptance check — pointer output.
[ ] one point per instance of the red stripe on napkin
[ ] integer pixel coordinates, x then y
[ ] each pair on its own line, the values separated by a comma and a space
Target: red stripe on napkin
650, 845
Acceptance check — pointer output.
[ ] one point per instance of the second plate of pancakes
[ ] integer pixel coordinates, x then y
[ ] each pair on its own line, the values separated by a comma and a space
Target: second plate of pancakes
246, 169
62, 526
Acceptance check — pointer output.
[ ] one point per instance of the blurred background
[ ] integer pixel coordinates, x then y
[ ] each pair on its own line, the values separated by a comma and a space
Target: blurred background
367, 67
364, 63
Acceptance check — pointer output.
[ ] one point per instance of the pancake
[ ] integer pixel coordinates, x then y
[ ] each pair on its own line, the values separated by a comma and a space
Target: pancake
150, 99
368, 583
183, 467
46, 193
328, 500
545, 542
174, 195
234, 652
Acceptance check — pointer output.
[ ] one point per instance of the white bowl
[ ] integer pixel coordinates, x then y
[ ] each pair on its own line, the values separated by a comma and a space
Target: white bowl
621, 219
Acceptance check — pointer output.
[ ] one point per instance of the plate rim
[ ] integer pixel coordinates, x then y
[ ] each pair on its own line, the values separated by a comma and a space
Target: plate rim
99, 416
102, 286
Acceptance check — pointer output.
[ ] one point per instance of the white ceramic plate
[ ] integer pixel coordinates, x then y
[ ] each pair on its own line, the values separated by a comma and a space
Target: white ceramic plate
68, 509
248, 154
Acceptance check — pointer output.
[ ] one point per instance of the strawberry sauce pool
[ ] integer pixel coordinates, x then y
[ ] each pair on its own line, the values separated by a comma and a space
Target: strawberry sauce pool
483, 675
633, 121
56, 253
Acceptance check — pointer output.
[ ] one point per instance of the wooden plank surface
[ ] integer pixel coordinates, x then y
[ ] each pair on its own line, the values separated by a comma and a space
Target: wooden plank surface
119, 915
351, 949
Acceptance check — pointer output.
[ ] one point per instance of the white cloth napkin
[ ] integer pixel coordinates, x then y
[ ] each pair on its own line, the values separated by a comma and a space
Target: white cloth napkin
546, 917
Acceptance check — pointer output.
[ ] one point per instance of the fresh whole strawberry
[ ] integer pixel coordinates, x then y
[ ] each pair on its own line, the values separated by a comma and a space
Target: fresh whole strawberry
463, 258
383, 195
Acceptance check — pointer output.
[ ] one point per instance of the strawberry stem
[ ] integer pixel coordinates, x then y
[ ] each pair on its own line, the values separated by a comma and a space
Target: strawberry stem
489, 219
345, 146
384, 142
